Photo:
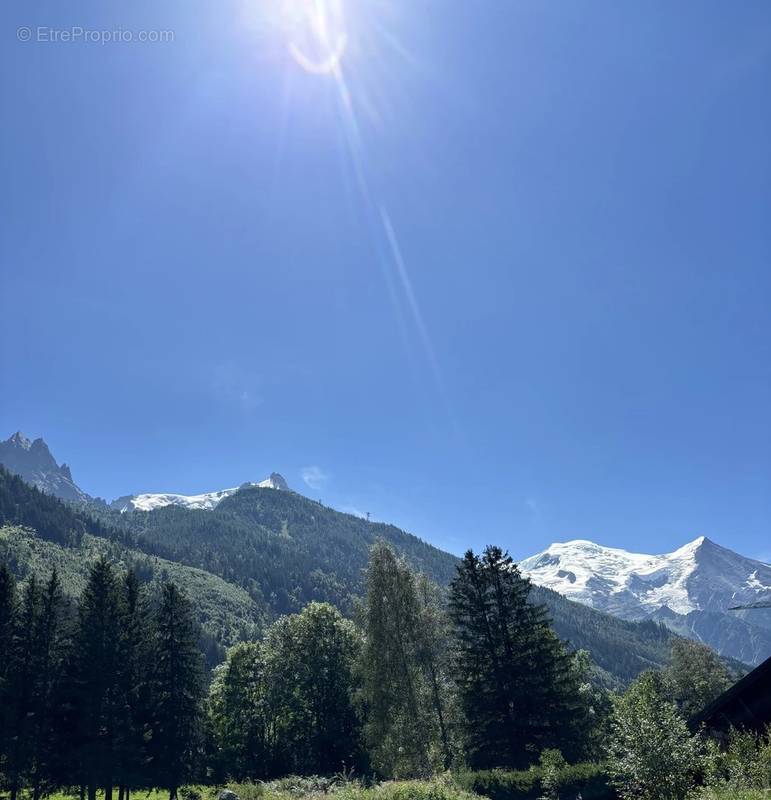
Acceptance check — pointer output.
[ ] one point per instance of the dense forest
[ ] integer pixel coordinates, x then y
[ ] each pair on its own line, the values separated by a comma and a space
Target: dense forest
262, 553
111, 693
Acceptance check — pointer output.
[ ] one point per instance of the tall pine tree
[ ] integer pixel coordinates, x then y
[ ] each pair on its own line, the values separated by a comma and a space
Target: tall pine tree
7, 628
133, 689
48, 662
21, 690
177, 686
517, 687
95, 671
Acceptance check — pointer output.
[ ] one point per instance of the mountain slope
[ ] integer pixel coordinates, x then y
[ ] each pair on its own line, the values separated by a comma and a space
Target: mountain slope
305, 551
225, 612
260, 553
280, 546
690, 590
33, 462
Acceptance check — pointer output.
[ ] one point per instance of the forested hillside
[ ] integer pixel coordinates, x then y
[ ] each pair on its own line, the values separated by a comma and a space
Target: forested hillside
262, 553
283, 548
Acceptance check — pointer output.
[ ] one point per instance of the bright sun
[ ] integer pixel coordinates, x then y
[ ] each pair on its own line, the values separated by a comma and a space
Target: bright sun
316, 33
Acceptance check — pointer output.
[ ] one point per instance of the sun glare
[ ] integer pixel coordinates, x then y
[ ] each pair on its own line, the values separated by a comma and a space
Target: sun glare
316, 33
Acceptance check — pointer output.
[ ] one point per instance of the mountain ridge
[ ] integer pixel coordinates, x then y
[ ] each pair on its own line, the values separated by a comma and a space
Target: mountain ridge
278, 550
690, 589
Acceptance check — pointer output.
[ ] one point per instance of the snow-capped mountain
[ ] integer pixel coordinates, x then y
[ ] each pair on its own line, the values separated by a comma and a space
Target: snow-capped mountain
690, 590
32, 461
149, 502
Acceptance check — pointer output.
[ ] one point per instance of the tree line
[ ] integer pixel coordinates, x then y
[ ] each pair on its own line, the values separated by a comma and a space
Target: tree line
99, 695
112, 692
423, 683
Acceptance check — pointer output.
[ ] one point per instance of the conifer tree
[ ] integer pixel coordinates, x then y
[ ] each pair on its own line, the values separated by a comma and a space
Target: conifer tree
132, 687
95, 669
7, 628
47, 661
21, 691
517, 687
177, 685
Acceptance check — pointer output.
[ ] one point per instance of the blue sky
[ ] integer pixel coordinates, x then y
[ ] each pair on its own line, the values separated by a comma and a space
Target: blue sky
516, 289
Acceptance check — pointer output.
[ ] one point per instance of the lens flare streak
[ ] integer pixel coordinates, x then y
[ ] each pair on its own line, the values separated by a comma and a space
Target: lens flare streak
317, 44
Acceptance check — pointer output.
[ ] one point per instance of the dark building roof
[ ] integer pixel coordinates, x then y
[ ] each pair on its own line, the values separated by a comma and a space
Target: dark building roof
747, 704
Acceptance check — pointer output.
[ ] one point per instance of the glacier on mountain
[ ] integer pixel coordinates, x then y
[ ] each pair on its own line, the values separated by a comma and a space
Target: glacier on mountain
691, 590
207, 501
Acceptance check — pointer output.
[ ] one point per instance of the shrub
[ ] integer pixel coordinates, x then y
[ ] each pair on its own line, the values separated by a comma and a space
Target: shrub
652, 755
444, 788
745, 764
587, 779
247, 790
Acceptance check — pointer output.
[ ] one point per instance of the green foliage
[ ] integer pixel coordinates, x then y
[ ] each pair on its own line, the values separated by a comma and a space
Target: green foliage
176, 688
597, 704
282, 548
695, 676
25, 506
436, 789
652, 755
262, 553
552, 764
225, 613
94, 670
288, 704
238, 716
744, 764
405, 665
310, 660
7, 629
621, 649
570, 780
517, 687
727, 793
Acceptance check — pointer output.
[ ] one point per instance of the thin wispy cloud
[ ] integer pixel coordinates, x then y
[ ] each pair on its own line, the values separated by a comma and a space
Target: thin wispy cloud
236, 386
314, 477
535, 510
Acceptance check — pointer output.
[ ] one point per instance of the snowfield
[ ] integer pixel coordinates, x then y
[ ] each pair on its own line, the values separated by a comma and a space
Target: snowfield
207, 501
699, 576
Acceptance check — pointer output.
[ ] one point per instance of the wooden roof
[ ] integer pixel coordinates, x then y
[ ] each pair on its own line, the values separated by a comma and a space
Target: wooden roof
747, 704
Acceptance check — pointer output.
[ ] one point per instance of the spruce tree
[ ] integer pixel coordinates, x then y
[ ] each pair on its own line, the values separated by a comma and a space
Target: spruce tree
7, 627
21, 690
177, 685
132, 687
47, 660
96, 690
517, 688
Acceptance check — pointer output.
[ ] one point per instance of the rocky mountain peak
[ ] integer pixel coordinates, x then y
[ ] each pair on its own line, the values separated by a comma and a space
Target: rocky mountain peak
33, 461
278, 481
19, 440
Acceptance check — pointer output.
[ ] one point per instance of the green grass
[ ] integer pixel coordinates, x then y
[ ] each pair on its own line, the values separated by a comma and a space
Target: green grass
732, 794
307, 788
